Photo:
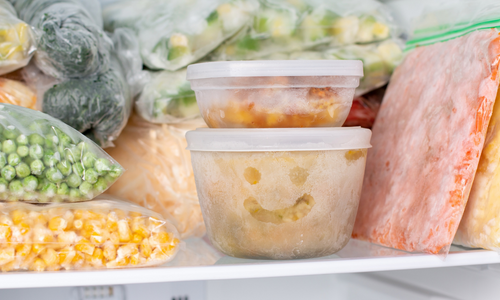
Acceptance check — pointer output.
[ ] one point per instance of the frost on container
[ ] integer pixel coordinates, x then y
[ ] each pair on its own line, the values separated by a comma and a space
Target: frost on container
45, 160
105, 233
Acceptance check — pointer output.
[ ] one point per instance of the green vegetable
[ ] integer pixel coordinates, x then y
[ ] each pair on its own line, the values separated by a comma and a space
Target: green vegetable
54, 175
91, 176
14, 159
16, 187
65, 167
102, 165
63, 189
22, 170
30, 183
36, 151
8, 173
37, 167
23, 151
9, 146
36, 139
74, 180
22, 140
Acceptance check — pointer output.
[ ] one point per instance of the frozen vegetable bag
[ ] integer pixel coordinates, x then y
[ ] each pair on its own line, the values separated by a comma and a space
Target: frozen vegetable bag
17, 42
44, 160
427, 140
17, 93
159, 173
100, 234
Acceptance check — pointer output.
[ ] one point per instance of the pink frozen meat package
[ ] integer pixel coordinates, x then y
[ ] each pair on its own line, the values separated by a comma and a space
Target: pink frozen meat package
427, 141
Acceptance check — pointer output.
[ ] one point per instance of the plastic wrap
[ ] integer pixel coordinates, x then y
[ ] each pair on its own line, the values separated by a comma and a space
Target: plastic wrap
427, 141
45, 160
16, 93
159, 174
98, 106
365, 108
173, 34
286, 26
17, 41
167, 98
105, 233
71, 44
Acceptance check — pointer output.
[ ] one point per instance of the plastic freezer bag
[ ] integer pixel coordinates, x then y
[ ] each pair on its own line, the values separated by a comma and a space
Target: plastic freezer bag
100, 234
167, 98
70, 42
17, 41
45, 160
159, 174
427, 140
285, 26
173, 34
16, 93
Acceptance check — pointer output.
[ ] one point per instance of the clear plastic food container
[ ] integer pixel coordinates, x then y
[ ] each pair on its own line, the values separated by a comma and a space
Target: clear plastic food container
279, 193
275, 93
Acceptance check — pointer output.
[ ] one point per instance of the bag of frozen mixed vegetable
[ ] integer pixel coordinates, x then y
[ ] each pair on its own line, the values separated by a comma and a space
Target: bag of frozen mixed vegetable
159, 173
16, 93
71, 44
100, 105
173, 34
44, 160
17, 42
102, 234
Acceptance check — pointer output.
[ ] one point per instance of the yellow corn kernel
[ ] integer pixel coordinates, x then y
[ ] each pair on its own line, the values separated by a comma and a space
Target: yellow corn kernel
137, 238
50, 257
134, 260
127, 250
85, 246
37, 248
175, 241
24, 227
42, 235
78, 259
28, 260
109, 251
124, 231
97, 258
57, 224
78, 224
5, 232
139, 226
6, 220
38, 265
158, 255
40, 219
66, 256
119, 262
8, 267
18, 216
134, 214
22, 250
114, 238
160, 239
7, 255
67, 238
146, 248
79, 214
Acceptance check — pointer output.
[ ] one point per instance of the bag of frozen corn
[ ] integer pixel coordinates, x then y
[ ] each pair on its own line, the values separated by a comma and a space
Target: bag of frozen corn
17, 42
16, 93
173, 34
44, 160
101, 234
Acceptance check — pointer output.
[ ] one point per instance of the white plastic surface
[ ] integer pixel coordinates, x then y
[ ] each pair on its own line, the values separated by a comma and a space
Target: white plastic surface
278, 139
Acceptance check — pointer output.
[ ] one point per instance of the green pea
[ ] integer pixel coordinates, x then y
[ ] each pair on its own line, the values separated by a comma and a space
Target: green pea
3, 160
65, 140
54, 175
88, 159
30, 183
109, 179
22, 140
90, 176
74, 194
37, 167
16, 187
116, 171
9, 146
102, 165
71, 154
23, 151
40, 126
11, 132
36, 139
63, 189
82, 147
14, 159
86, 189
51, 141
101, 185
3, 185
49, 189
65, 167
50, 158
36, 151
42, 181
22, 170
74, 180
78, 169
8, 173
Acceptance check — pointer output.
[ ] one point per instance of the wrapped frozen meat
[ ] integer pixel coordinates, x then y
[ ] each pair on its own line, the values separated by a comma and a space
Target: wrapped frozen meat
71, 44
159, 174
44, 160
103, 234
173, 34
17, 93
365, 108
427, 141
17, 41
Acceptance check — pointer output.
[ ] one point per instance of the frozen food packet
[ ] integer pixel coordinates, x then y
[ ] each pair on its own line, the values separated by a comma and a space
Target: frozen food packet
173, 34
71, 44
427, 140
17, 41
159, 173
44, 160
286, 26
480, 223
16, 93
365, 108
98, 106
106, 233
167, 98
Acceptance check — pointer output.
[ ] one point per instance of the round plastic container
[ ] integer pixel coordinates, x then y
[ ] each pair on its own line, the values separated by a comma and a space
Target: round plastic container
279, 193
275, 94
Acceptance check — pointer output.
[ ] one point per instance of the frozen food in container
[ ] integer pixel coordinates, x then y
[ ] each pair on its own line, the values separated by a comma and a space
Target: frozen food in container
279, 193
275, 93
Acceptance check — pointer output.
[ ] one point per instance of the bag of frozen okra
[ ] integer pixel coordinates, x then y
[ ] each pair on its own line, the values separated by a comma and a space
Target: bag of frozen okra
44, 160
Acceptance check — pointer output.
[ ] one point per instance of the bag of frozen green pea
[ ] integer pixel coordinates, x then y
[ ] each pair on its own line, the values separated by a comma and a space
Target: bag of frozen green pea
44, 160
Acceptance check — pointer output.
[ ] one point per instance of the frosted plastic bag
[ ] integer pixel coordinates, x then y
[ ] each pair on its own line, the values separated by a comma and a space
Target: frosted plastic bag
167, 98
285, 26
17, 41
98, 106
44, 160
71, 44
173, 34
159, 174
102, 234
16, 93
427, 141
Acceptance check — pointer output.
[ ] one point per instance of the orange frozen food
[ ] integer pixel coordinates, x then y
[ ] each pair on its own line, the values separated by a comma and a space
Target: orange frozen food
17, 93
427, 141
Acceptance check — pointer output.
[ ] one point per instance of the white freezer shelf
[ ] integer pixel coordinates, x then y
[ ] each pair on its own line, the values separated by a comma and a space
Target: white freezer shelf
199, 261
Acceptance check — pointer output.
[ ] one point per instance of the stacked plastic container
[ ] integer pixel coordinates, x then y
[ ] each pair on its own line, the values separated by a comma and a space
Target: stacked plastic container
276, 174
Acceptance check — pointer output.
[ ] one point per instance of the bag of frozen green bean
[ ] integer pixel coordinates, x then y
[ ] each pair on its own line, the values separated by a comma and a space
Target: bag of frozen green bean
44, 160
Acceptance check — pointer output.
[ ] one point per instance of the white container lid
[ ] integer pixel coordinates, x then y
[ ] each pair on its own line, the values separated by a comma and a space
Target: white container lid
278, 139
268, 68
